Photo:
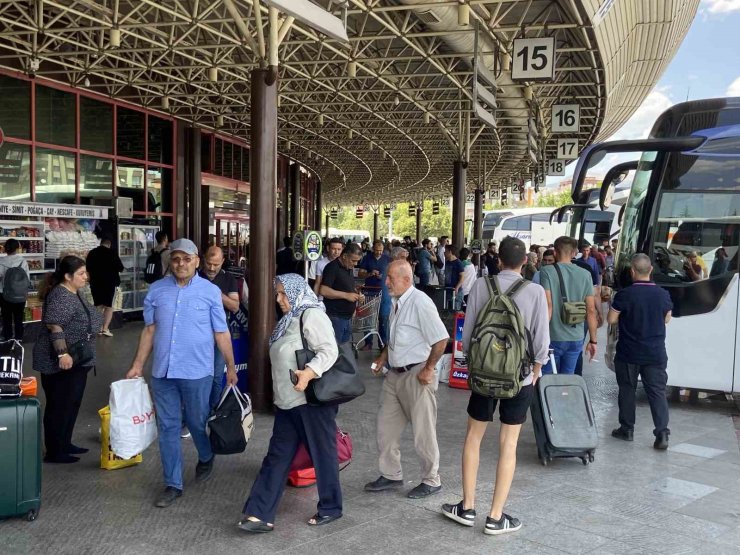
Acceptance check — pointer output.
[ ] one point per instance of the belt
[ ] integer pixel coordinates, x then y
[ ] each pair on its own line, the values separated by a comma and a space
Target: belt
407, 368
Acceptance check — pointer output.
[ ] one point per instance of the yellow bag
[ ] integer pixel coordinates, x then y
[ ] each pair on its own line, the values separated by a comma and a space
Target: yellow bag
108, 459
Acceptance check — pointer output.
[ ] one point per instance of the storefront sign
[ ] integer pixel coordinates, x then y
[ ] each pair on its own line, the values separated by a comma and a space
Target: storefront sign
312, 246
37, 209
298, 246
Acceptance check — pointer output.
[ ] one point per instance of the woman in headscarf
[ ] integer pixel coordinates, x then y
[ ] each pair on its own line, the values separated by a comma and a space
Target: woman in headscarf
530, 268
295, 421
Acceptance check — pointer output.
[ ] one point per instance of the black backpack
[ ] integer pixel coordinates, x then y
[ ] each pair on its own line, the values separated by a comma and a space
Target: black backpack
16, 284
153, 270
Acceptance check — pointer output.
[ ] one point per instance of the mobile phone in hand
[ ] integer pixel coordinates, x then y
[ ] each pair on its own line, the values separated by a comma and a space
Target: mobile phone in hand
293, 377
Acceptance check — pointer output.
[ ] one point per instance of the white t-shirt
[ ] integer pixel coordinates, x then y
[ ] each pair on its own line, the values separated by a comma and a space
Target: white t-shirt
469, 276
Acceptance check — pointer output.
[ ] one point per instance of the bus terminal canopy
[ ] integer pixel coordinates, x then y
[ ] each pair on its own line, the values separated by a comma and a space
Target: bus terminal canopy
419, 84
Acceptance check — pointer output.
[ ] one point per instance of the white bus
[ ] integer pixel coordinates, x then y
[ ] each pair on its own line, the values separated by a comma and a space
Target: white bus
531, 225
684, 212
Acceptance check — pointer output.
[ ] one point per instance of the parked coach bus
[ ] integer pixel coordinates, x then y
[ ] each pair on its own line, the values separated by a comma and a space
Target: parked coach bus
684, 212
531, 225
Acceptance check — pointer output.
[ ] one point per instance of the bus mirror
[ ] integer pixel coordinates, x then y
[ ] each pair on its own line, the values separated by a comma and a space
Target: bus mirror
597, 158
605, 199
615, 175
621, 214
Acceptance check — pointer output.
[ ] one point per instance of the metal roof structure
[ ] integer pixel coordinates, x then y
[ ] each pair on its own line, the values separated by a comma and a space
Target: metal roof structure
379, 118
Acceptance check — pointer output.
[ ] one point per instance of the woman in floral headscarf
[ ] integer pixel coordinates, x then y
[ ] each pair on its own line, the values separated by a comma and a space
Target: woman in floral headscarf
295, 421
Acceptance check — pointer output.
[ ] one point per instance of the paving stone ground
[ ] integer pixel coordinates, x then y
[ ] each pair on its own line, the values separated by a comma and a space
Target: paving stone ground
632, 499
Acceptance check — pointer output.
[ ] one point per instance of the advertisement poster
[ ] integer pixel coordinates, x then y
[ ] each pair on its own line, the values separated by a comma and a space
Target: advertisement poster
459, 368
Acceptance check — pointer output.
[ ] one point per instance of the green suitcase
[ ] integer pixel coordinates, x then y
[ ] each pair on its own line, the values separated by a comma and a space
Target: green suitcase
20, 457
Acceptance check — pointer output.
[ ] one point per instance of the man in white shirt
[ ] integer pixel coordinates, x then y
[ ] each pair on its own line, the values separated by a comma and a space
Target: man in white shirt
333, 250
416, 342
441, 249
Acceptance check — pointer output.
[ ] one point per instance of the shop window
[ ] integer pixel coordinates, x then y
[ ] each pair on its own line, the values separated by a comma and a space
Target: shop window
160, 140
159, 189
237, 163
130, 126
96, 125
245, 164
15, 175
228, 159
55, 116
52, 186
15, 109
205, 153
130, 183
96, 178
219, 158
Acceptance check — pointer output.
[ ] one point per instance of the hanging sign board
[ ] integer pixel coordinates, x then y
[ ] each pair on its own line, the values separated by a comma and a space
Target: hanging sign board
298, 246
556, 167
567, 149
435, 208
360, 212
533, 59
312, 246
476, 246
469, 197
566, 118
333, 214
386, 212
53, 210
445, 201
412, 210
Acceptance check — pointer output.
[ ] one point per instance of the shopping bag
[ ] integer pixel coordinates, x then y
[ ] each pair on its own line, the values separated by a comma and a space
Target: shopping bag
133, 426
11, 368
302, 473
231, 425
108, 459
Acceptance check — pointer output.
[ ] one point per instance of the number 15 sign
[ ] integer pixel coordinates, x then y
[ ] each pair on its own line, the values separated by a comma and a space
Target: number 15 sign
533, 59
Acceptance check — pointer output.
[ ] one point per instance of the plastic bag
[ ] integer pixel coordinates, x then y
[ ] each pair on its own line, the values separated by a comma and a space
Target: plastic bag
108, 459
231, 425
133, 426
11, 368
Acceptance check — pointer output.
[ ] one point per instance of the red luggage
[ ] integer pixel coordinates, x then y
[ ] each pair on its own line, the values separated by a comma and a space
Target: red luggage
302, 473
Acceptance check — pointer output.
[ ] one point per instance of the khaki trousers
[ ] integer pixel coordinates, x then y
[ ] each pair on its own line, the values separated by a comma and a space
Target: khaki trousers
403, 400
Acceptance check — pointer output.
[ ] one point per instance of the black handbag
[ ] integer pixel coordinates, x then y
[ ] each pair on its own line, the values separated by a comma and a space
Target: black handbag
339, 384
82, 351
225, 427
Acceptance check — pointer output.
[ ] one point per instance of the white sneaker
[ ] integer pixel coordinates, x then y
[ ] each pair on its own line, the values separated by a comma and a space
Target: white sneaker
184, 433
503, 526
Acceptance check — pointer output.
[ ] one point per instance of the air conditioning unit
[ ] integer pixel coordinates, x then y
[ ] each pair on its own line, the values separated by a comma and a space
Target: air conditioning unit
123, 207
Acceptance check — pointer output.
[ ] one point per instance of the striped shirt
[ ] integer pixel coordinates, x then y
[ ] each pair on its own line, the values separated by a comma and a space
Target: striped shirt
185, 319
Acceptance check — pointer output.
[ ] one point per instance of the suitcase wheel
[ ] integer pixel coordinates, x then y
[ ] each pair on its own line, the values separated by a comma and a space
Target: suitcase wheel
590, 457
31, 515
585, 460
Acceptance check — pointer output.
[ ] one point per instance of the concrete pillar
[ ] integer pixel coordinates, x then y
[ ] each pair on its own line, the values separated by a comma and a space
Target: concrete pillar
477, 221
459, 170
193, 206
326, 228
418, 224
262, 233
294, 186
375, 225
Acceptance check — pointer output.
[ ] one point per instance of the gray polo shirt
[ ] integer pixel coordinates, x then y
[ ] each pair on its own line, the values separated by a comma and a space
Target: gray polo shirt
532, 304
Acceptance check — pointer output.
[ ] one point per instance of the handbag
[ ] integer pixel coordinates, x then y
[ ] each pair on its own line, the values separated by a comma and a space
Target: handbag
231, 425
302, 472
11, 368
572, 313
339, 384
82, 351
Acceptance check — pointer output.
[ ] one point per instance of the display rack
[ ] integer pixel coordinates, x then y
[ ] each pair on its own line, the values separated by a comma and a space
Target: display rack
135, 242
30, 236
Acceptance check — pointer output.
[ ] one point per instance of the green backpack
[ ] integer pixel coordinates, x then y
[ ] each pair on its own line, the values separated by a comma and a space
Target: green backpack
499, 357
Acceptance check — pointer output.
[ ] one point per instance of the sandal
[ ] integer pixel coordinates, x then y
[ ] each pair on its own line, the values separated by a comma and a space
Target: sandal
255, 526
317, 520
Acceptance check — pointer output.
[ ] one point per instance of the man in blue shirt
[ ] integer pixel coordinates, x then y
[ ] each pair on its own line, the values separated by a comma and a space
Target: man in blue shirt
585, 248
183, 315
426, 258
642, 310
374, 268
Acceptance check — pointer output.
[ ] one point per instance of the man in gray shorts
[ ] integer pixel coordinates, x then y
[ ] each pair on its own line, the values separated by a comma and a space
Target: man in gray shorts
532, 305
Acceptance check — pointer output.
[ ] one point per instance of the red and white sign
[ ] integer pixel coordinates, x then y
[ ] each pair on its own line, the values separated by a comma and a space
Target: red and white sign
459, 367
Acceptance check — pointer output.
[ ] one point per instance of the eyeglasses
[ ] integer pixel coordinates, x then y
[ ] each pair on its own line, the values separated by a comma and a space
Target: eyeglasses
178, 260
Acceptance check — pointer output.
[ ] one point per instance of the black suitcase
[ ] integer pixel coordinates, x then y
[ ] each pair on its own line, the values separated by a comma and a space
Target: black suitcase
563, 419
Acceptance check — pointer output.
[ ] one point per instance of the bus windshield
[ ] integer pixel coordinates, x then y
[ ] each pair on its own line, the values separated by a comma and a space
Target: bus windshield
493, 219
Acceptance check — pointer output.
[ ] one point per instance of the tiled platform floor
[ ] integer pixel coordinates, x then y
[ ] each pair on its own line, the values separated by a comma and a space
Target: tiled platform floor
632, 499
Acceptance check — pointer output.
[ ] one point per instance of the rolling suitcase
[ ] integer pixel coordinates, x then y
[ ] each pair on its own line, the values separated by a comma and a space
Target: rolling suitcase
20, 457
563, 419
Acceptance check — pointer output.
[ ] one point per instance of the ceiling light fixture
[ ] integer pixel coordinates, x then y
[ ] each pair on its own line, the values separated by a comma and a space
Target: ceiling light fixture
352, 69
463, 15
321, 120
219, 121
115, 37
426, 118
213, 74
165, 103
397, 100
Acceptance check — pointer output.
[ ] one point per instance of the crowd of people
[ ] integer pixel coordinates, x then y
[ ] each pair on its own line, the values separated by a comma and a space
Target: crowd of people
186, 334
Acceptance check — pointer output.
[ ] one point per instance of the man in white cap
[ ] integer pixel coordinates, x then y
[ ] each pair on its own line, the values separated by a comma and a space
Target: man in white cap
184, 316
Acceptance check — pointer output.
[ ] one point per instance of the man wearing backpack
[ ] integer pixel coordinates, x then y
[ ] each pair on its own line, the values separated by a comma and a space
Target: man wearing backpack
529, 308
158, 262
570, 301
14, 285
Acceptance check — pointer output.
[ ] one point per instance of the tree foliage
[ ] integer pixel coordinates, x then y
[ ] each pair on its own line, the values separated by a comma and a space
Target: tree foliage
402, 223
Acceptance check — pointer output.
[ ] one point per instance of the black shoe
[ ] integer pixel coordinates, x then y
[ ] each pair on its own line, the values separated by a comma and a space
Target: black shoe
74, 450
61, 459
167, 497
504, 525
622, 433
203, 470
382, 484
661, 440
466, 517
423, 490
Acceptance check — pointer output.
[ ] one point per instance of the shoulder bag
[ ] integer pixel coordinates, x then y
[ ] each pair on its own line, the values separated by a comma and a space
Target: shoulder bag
82, 351
572, 313
339, 384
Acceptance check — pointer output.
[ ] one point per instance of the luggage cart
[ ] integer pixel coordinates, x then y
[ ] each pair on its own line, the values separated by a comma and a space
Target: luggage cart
365, 319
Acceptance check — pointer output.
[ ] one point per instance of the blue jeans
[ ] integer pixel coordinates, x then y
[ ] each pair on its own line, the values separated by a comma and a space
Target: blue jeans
219, 362
565, 354
342, 328
172, 398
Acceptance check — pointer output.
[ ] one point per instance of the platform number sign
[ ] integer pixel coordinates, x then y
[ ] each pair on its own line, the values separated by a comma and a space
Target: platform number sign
445, 201
567, 149
435, 208
556, 167
387, 212
469, 197
566, 118
533, 59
